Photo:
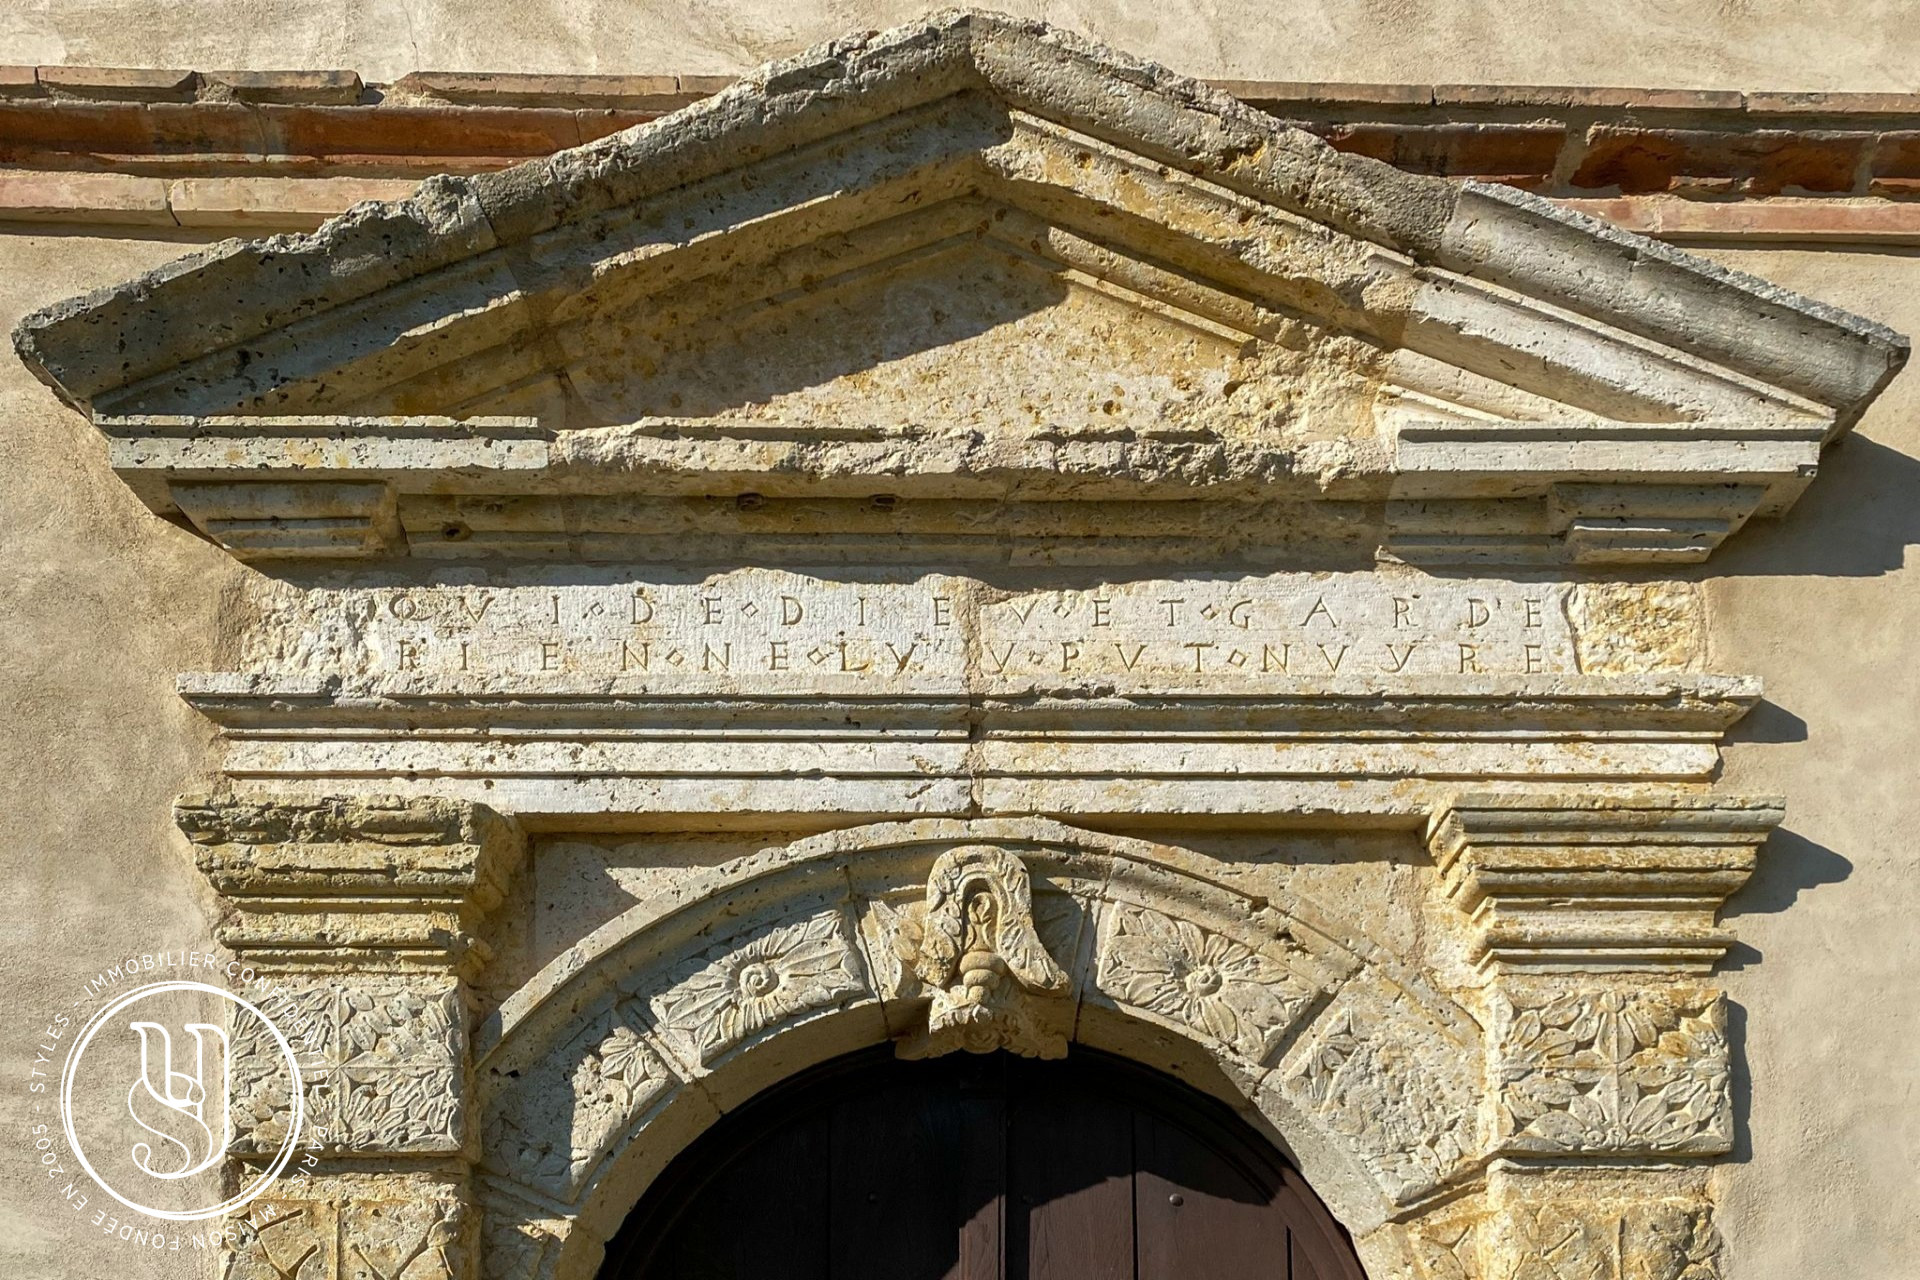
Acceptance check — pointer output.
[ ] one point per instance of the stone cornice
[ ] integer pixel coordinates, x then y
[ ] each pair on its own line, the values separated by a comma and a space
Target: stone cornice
1577, 882
375, 880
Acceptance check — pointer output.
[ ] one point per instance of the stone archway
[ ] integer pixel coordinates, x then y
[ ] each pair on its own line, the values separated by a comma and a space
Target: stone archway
628, 1046
1170, 530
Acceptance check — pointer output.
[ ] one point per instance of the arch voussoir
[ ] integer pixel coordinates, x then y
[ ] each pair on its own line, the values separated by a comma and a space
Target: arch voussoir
616, 1057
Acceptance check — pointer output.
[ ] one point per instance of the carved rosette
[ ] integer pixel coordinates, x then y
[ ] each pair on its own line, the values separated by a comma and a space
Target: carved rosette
1206, 982
975, 946
728, 994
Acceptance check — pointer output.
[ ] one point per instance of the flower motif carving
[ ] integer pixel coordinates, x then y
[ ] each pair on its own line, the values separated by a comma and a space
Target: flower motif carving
1614, 1071
380, 1063
1212, 984
732, 992
1397, 1093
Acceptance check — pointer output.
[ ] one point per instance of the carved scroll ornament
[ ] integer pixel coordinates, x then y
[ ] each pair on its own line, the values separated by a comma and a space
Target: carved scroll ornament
975, 947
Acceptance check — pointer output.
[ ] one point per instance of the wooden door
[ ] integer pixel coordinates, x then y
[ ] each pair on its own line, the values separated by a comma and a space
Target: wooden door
981, 1168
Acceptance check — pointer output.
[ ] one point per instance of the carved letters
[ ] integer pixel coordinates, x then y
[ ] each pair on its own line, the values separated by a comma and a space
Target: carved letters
774, 629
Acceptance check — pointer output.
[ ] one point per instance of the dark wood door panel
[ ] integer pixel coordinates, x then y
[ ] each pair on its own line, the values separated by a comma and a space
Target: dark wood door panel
970, 1168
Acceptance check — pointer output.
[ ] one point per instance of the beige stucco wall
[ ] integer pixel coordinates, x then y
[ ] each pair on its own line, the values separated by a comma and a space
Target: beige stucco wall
101, 603
1744, 44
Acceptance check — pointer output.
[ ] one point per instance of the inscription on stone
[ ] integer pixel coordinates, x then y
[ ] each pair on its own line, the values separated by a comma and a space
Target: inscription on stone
766, 630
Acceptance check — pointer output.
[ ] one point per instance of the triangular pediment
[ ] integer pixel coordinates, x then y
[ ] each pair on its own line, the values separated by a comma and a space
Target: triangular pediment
975, 259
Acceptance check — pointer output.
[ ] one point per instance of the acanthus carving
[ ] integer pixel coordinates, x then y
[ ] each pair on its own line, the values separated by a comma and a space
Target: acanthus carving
550, 1127
1589, 1240
1204, 981
352, 1236
380, 1062
732, 992
1402, 1096
1613, 1071
975, 945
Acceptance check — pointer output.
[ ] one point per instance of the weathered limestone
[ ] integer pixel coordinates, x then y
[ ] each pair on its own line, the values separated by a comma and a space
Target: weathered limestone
362, 915
906, 472
1147, 290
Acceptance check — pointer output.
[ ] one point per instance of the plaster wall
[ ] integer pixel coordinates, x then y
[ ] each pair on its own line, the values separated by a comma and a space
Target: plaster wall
1774, 44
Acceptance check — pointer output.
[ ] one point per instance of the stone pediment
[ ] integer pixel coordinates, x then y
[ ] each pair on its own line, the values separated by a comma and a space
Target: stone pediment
963, 282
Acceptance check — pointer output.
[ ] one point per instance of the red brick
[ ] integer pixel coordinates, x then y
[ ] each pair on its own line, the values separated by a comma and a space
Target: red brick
411, 131
19, 82
704, 86
132, 84
501, 89
1833, 104
1760, 162
1457, 150
1287, 93
333, 88
1575, 97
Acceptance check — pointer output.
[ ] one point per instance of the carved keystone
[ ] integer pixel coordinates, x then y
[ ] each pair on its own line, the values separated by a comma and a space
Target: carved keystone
1597, 883
975, 946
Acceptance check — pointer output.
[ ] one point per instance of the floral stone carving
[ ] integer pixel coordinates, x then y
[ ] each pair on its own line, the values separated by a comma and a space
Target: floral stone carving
380, 1061
1614, 1072
733, 992
1201, 980
975, 946
1402, 1100
551, 1126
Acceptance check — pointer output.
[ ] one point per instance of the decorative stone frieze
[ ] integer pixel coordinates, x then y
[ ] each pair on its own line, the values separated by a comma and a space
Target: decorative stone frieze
1597, 883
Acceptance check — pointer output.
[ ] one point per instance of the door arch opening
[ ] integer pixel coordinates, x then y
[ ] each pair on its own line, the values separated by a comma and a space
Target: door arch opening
981, 1168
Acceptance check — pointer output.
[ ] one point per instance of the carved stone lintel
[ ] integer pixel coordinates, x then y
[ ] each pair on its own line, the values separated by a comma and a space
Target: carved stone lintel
974, 944
1597, 883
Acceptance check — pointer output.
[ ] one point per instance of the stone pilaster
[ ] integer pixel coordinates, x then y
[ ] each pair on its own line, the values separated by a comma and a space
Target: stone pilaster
358, 920
1593, 923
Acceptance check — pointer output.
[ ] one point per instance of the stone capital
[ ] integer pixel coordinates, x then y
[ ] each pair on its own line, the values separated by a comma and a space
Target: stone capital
1559, 882
385, 882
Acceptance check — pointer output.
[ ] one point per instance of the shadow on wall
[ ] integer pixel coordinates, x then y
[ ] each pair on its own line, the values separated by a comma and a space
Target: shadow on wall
1856, 521
1789, 865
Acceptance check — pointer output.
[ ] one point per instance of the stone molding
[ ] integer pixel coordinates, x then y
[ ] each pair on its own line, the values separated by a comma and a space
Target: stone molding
1479, 376
362, 882
1583, 883
1343, 752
